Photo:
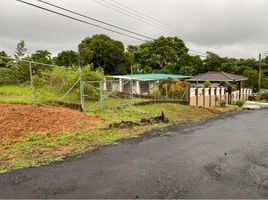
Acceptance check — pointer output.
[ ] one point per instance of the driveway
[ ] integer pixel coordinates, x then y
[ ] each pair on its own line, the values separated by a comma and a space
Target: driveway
221, 158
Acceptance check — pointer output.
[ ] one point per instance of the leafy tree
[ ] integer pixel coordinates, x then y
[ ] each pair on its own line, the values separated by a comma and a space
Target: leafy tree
160, 52
20, 50
213, 62
187, 70
67, 58
102, 51
3, 61
42, 56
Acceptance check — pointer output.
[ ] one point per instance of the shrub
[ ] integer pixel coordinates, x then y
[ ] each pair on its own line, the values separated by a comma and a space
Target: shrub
255, 98
265, 96
7, 76
222, 103
60, 80
240, 103
207, 84
156, 93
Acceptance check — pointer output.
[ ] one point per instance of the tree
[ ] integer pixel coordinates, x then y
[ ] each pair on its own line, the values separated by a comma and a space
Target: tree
42, 56
213, 62
20, 50
160, 52
102, 51
3, 61
67, 58
187, 70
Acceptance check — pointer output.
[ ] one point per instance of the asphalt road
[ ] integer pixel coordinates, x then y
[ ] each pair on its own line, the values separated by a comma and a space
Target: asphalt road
222, 158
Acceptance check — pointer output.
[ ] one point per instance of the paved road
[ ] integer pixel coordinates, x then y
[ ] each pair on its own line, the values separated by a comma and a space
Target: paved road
222, 158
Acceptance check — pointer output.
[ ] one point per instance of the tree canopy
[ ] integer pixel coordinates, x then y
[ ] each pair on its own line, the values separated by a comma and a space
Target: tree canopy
67, 58
164, 55
20, 50
104, 52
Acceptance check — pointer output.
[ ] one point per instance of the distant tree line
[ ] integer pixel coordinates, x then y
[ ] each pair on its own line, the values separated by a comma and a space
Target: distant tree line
162, 55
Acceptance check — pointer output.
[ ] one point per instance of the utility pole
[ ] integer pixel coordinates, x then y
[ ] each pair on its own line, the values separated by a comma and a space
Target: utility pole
259, 74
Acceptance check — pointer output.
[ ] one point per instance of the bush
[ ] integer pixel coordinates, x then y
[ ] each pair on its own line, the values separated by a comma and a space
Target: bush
156, 93
265, 96
207, 84
222, 103
240, 103
7, 76
255, 98
59, 80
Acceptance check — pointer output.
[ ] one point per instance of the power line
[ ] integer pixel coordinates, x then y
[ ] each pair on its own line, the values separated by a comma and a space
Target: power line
94, 19
86, 22
154, 19
138, 17
79, 20
133, 16
197, 52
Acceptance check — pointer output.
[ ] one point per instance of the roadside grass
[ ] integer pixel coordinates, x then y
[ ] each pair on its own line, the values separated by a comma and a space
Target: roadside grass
35, 149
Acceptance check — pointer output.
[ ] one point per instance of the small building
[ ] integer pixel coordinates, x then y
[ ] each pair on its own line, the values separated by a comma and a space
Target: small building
141, 84
231, 82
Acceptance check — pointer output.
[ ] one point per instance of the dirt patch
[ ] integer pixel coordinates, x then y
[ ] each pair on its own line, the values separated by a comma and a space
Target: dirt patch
18, 120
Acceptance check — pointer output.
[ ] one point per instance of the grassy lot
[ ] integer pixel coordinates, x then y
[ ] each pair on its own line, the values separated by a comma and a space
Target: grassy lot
36, 149
22, 94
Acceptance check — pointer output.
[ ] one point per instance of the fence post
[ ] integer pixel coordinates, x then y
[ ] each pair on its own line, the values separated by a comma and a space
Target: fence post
166, 91
81, 89
131, 90
32, 84
101, 103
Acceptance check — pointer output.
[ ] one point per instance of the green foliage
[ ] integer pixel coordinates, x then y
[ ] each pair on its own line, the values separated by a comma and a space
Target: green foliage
60, 80
3, 61
90, 75
156, 92
187, 70
42, 56
7, 76
20, 50
257, 98
240, 103
67, 59
207, 84
160, 52
222, 103
265, 96
102, 51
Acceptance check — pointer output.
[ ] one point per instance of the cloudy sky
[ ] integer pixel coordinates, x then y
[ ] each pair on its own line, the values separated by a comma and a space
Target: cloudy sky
233, 28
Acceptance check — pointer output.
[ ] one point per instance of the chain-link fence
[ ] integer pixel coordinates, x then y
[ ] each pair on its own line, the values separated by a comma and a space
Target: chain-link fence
24, 81
109, 94
35, 82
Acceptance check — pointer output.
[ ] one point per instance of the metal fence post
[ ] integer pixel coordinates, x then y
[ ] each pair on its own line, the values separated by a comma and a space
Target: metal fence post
101, 103
81, 89
32, 84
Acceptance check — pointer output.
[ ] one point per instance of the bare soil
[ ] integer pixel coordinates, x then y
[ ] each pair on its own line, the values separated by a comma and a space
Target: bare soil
18, 120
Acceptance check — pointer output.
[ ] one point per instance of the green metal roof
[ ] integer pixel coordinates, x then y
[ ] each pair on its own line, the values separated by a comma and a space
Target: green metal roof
146, 77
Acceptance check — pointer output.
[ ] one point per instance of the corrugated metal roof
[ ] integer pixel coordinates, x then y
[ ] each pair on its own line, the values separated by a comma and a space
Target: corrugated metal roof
218, 76
148, 77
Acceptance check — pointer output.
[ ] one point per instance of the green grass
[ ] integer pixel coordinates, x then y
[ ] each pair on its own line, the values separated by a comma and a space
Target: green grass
16, 90
36, 149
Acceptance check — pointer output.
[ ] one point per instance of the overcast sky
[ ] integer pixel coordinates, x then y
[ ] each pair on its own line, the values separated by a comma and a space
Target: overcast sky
233, 28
